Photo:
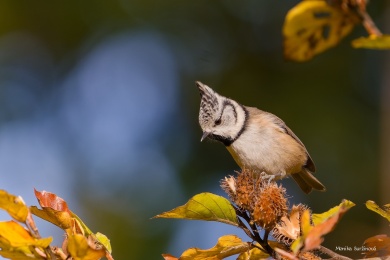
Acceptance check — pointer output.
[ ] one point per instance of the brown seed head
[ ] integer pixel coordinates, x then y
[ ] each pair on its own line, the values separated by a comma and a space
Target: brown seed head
270, 205
289, 227
247, 185
229, 186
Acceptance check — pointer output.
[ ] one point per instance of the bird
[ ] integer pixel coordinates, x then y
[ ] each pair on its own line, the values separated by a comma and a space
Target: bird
256, 139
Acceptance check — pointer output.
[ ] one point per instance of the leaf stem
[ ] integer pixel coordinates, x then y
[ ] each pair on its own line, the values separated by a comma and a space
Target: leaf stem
368, 23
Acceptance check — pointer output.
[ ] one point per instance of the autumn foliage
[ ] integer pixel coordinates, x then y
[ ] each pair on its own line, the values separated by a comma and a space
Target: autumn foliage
260, 208
256, 204
313, 26
20, 238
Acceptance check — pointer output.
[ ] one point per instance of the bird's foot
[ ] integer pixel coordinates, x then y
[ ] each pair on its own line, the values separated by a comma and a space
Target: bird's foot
272, 177
267, 177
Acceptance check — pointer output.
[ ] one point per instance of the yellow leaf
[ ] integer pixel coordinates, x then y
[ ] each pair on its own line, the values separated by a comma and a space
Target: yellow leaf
306, 227
62, 219
253, 254
305, 222
319, 218
14, 205
312, 27
226, 246
16, 236
79, 249
18, 255
371, 205
372, 42
205, 206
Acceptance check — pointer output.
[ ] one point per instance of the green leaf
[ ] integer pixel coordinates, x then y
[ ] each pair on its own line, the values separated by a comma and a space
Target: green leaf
103, 239
371, 205
319, 218
204, 206
372, 42
86, 230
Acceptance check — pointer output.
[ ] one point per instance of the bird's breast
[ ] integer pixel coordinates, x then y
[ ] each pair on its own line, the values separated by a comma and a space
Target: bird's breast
272, 152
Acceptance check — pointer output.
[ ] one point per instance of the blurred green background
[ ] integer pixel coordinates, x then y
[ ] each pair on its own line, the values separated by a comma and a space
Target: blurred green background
98, 105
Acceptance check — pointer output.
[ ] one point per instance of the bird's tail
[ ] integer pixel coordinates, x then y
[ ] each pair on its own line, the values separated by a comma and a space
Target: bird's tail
307, 182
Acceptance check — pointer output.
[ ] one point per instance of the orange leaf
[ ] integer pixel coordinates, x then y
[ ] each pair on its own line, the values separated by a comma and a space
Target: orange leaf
54, 209
315, 237
376, 246
169, 257
51, 200
58, 207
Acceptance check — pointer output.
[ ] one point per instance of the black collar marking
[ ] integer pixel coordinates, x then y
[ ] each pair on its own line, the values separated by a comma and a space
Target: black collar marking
226, 140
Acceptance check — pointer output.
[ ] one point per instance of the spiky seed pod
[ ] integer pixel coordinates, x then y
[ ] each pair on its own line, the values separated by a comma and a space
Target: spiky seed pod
289, 227
270, 205
229, 186
247, 185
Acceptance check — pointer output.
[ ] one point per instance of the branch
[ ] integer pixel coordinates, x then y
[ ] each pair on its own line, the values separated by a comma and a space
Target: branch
254, 233
369, 24
332, 254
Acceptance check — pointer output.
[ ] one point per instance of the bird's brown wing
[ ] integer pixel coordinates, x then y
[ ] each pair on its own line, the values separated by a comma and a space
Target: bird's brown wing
309, 163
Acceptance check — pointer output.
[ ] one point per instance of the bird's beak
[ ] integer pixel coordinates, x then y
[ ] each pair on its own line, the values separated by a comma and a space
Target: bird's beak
205, 134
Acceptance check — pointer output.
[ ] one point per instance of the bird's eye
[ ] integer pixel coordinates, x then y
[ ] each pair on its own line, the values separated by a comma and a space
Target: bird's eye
218, 121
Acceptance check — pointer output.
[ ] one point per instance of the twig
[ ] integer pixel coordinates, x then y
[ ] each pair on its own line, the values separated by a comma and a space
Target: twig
246, 230
58, 252
266, 234
254, 233
332, 254
30, 223
369, 24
